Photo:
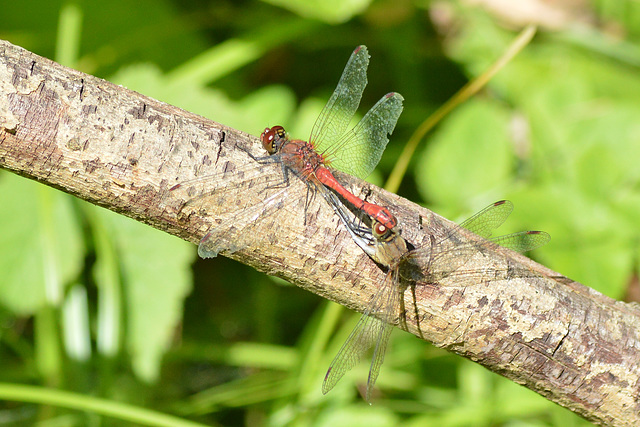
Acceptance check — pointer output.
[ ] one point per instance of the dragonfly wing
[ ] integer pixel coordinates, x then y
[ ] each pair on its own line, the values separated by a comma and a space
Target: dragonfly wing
488, 219
242, 202
472, 277
368, 330
360, 340
391, 307
361, 148
378, 358
337, 113
446, 263
523, 241
493, 216
237, 230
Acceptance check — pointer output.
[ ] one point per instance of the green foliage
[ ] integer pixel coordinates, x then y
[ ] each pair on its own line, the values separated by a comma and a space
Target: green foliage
42, 245
330, 11
558, 136
476, 142
269, 104
155, 269
115, 313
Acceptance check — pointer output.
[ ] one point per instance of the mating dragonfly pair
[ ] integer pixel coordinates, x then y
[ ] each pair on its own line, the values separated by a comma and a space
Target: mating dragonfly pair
374, 228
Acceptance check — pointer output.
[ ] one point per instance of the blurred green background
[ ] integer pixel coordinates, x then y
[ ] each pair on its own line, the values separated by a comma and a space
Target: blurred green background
96, 304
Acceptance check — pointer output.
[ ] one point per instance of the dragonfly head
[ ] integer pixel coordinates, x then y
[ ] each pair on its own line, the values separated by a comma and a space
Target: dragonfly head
381, 232
389, 244
273, 138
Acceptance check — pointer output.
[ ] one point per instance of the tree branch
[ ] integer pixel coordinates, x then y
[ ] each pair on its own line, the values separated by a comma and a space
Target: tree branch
121, 150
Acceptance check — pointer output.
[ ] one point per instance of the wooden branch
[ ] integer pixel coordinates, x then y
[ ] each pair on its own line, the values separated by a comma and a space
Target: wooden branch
122, 150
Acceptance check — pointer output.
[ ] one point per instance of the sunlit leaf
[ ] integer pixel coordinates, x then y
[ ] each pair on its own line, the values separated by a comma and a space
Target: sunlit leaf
41, 244
157, 278
267, 106
469, 155
332, 11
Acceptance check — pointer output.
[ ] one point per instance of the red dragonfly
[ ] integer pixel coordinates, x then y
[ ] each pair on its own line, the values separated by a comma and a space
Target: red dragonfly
439, 263
356, 151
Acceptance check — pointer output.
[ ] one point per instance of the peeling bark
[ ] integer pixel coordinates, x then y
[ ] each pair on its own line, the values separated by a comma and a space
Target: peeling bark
121, 150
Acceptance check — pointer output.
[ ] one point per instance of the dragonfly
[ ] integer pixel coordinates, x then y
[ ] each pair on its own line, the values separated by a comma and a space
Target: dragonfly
356, 151
436, 262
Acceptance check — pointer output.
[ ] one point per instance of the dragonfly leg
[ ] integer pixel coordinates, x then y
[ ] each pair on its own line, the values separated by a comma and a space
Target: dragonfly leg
416, 313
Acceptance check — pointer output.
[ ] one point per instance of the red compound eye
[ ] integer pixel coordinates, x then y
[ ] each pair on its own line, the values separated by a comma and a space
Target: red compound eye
270, 138
379, 230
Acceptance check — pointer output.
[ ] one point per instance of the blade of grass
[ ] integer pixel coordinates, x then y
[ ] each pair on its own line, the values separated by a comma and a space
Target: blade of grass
75, 320
69, 34
65, 399
107, 275
255, 389
47, 339
318, 333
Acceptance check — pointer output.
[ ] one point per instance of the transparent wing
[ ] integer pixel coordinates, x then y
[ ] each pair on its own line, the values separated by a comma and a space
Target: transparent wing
361, 339
493, 216
337, 113
488, 219
361, 148
465, 277
225, 177
250, 225
523, 241
372, 328
391, 308
448, 257
243, 207
483, 224
445, 264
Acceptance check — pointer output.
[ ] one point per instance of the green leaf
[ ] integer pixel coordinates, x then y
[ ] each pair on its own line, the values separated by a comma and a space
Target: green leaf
469, 155
269, 105
330, 11
157, 277
40, 243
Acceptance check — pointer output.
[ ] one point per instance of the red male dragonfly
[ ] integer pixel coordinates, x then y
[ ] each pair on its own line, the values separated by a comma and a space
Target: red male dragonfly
356, 151
445, 261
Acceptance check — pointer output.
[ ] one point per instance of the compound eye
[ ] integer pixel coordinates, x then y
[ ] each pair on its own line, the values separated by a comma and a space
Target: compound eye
379, 231
280, 132
270, 138
267, 137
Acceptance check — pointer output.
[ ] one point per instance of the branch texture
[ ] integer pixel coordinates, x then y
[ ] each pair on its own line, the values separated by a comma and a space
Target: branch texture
121, 150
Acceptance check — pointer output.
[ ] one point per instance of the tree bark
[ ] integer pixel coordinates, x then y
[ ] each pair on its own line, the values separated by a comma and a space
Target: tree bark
116, 148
